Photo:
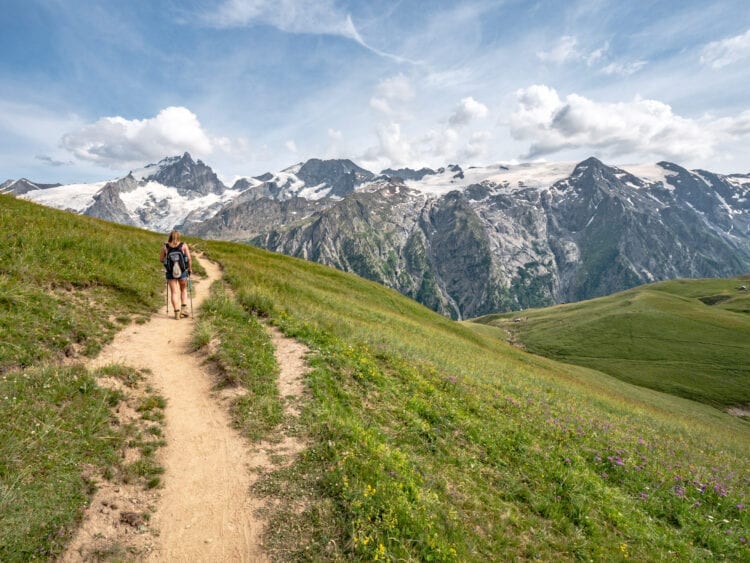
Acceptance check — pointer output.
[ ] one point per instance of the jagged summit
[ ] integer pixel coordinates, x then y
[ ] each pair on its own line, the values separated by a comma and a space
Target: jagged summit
183, 173
22, 186
341, 175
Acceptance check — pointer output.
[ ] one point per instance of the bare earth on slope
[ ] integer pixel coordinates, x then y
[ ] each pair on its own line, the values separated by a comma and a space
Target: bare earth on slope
204, 512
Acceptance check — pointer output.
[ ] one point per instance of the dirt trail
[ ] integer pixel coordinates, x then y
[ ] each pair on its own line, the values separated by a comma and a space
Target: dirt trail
204, 511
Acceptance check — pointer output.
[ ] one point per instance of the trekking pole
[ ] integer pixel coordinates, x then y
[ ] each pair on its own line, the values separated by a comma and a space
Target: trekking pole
167, 294
190, 291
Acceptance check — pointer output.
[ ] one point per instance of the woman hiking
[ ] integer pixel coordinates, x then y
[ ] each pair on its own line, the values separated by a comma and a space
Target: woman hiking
178, 252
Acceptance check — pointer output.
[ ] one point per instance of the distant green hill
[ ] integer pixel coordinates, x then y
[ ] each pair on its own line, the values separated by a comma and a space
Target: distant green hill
426, 439
690, 338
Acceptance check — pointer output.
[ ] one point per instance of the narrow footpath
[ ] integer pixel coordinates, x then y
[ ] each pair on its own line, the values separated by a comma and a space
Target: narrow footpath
204, 511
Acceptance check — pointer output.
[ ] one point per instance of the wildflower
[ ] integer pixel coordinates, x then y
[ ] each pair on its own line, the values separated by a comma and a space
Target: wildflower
644, 495
740, 506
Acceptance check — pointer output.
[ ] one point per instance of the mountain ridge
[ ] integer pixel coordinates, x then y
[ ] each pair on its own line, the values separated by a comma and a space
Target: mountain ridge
464, 242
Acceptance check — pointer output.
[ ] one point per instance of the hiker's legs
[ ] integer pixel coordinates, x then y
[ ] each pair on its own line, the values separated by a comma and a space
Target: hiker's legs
174, 290
183, 292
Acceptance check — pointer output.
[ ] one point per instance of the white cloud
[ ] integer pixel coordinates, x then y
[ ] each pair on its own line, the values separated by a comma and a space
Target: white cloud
477, 145
567, 51
640, 127
623, 68
117, 142
719, 54
392, 146
391, 95
468, 110
333, 149
597, 55
434, 148
291, 146
564, 51
320, 17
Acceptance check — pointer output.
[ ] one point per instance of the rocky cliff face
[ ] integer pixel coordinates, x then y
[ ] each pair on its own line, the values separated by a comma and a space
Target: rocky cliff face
108, 205
493, 246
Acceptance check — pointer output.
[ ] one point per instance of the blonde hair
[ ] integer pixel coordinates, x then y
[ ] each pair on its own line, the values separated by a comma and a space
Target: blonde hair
174, 238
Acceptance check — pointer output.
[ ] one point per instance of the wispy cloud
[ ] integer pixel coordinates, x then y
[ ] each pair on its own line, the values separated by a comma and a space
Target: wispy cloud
317, 17
719, 54
565, 50
623, 68
49, 161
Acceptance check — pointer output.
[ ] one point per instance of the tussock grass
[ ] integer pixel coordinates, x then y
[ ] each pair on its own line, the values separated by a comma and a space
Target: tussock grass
244, 357
690, 338
434, 441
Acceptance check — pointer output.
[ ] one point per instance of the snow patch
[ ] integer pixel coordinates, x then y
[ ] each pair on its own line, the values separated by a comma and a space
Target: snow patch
652, 173
536, 175
167, 204
77, 197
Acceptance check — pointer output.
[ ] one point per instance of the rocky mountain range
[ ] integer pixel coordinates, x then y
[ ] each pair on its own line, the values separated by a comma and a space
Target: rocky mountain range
464, 242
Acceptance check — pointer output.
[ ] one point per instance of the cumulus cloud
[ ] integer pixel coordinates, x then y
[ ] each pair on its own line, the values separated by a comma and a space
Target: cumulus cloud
468, 110
391, 95
642, 127
719, 54
392, 147
117, 142
477, 145
291, 146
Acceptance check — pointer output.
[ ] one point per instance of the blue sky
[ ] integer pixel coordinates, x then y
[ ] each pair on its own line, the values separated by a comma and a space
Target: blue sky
90, 89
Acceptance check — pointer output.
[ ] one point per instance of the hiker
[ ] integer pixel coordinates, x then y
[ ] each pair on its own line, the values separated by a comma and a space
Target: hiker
178, 252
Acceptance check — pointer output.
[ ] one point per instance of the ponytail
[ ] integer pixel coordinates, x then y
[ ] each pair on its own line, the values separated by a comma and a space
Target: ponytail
174, 238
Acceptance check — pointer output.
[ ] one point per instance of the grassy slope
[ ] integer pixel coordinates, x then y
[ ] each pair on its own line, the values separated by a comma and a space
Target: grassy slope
428, 440
66, 283
690, 338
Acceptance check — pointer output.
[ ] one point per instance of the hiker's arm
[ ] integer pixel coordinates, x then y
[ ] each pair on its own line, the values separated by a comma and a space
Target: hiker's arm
163, 253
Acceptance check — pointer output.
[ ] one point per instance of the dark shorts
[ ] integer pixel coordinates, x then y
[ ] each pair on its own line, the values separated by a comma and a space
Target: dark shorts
184, 275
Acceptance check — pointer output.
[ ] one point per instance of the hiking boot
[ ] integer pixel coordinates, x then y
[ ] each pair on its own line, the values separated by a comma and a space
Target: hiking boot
177, 315
184, 311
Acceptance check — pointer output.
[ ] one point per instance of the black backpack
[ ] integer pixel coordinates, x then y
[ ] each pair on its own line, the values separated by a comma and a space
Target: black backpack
175, 261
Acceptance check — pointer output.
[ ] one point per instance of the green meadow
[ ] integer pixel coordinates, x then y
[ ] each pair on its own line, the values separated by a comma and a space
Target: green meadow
67, 284
690, 338
432, 440
427, 439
